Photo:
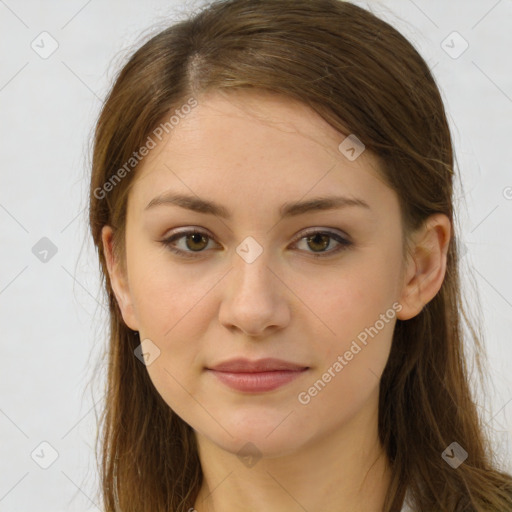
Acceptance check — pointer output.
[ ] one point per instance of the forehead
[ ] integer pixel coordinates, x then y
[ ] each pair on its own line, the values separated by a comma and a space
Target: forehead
248, 148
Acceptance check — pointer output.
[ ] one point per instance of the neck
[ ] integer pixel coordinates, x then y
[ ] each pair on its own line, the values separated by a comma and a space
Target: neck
343, 470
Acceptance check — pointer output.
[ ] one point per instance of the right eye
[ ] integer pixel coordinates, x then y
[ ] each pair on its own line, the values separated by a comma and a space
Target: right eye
193, 238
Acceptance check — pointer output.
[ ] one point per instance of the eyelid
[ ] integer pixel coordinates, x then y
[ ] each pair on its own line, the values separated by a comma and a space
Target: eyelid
323, 230
188, 230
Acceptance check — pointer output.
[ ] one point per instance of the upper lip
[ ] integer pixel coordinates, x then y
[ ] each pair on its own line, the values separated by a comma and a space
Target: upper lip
242, 365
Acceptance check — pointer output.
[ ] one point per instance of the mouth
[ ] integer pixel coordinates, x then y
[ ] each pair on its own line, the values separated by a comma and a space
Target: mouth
257, 376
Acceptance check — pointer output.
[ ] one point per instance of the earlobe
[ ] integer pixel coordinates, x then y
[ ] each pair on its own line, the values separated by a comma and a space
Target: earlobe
426, 265
118, 279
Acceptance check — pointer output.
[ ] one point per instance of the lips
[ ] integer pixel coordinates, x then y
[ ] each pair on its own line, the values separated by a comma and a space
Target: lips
257, 376
241, 365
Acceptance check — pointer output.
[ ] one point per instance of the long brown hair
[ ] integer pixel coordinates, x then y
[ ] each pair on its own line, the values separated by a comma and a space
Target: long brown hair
363, 77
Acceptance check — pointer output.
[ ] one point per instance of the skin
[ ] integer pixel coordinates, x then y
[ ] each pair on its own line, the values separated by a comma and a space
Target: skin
251, 153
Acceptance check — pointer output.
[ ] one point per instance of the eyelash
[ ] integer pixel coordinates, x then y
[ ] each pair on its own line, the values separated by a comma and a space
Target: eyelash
344, 243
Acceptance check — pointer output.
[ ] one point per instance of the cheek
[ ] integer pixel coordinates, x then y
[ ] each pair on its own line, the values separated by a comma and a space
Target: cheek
169, 303
164, 294
352, 360
357, 318
355, 295
171, 314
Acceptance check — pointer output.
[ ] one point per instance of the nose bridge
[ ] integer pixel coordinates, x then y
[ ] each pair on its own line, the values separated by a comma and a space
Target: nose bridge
252, 301
251, 268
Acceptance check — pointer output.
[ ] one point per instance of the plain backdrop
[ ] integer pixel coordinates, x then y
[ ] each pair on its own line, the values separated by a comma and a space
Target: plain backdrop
53, 322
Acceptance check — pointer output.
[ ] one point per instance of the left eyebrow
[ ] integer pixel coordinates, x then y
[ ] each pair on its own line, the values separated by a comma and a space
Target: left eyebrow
290, 209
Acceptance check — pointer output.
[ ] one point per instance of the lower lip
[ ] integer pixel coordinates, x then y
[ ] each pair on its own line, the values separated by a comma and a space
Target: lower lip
258, 381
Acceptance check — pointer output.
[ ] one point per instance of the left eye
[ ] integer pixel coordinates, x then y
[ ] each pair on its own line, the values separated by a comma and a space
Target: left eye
196, 241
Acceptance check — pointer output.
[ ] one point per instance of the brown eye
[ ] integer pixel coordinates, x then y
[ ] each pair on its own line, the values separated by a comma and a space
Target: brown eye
194, 242
318, 242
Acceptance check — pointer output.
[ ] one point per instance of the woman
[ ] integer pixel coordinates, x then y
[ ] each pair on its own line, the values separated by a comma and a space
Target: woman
271, 200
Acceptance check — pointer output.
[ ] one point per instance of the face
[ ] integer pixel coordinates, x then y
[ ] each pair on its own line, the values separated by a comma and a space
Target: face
257, 279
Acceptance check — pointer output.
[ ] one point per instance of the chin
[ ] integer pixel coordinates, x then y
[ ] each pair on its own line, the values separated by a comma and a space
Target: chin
249, 439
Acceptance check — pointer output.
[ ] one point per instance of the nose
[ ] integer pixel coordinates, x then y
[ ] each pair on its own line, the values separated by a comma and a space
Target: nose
254, 298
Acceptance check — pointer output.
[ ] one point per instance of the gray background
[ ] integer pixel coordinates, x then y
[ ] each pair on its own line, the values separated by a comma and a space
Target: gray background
52, 313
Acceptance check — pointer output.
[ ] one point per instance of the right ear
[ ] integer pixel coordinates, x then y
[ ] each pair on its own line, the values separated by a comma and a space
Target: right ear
118, 280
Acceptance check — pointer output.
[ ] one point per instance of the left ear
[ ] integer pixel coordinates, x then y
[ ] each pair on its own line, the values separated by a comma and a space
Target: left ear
425, 266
